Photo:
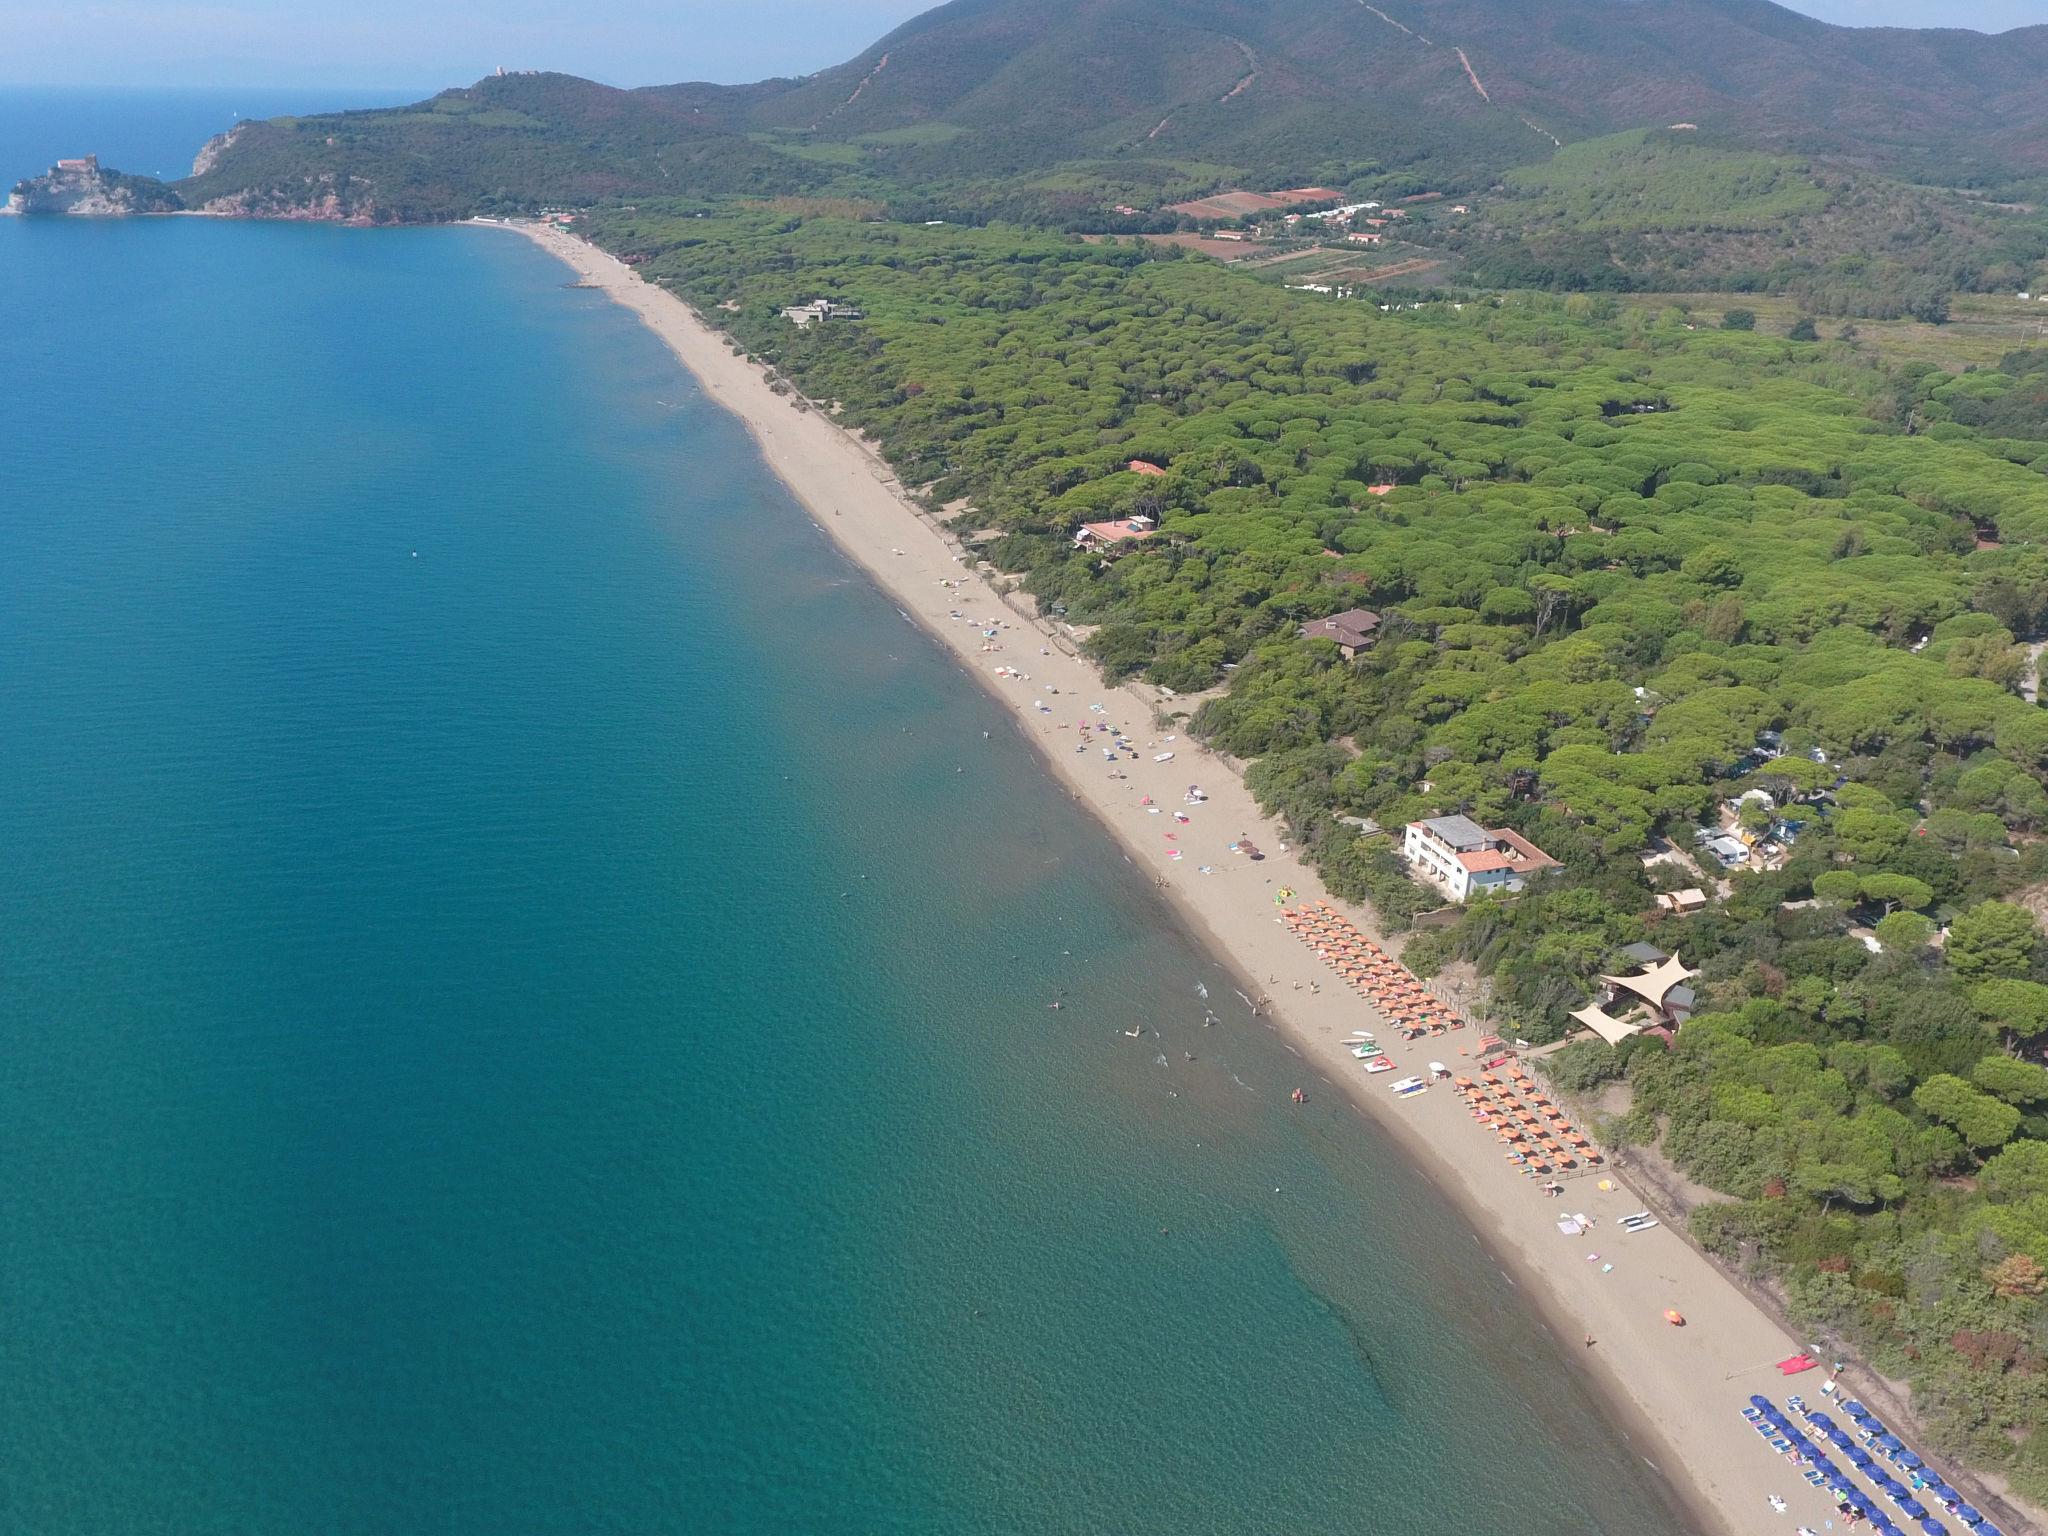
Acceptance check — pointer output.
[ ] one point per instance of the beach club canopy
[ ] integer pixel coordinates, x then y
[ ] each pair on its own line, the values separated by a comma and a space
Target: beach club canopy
1652, 985
1606, 1026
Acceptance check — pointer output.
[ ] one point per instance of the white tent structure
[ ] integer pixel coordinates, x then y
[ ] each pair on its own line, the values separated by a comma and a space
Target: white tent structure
1653, 984
1605, 1025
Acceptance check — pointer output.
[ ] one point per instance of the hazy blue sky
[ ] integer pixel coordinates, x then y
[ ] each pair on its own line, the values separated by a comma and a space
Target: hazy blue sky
627, 42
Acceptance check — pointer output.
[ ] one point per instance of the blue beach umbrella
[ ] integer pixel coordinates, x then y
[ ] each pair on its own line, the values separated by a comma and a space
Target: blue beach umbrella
1858, 1457
1855, 1410
1933, 1528
1986, 1528
1758, 1400
1908, 1459
1912, 1509
1968, 1515
1821, 1419
1891, 1442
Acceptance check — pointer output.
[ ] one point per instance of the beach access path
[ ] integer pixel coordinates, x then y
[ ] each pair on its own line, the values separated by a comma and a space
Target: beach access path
1678, 1392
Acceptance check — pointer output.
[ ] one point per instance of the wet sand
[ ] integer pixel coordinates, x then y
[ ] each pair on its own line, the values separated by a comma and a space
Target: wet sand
1676, 1392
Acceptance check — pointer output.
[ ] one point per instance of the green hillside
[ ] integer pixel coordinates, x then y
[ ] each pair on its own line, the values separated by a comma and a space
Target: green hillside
1037, 108
506, 144
1663, 210
1648, 179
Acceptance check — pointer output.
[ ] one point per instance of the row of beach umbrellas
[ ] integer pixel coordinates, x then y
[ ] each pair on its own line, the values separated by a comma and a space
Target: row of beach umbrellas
1382, 980
1536, 1132
1851, 1447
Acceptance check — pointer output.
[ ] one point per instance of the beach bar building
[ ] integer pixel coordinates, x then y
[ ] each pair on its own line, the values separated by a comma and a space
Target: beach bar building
1458, 856
1660, 983
1657, 996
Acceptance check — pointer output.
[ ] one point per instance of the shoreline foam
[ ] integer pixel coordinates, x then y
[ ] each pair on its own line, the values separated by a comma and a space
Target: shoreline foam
1675, 1393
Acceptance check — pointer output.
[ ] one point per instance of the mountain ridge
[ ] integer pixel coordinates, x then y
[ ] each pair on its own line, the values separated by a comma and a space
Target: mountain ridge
1046, 108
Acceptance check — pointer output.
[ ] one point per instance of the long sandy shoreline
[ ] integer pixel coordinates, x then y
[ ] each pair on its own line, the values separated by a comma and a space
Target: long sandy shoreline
1677, 1392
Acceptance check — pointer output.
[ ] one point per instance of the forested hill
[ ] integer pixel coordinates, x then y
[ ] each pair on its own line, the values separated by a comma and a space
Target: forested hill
1005, 104
1307, 87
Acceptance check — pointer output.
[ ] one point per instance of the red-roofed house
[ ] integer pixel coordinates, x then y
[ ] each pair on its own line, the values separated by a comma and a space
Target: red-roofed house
1144, 467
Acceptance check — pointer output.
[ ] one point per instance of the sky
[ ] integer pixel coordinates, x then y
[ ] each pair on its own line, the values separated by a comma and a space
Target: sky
431, 43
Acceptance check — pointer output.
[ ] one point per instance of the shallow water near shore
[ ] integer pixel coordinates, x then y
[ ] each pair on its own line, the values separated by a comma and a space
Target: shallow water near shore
524, 1002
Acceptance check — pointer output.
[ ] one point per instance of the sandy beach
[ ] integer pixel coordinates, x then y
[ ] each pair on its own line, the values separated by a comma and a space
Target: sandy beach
1677, 1391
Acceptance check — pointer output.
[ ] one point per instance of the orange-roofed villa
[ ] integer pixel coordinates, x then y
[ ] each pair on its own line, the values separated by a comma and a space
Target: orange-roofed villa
1458, 856
1144, 467
1106, 535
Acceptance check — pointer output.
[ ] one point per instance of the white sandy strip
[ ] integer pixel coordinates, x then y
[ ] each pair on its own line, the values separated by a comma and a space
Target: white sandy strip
1679, 1391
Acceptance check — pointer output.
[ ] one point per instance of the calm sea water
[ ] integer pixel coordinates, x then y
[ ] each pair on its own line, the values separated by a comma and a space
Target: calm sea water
523, 992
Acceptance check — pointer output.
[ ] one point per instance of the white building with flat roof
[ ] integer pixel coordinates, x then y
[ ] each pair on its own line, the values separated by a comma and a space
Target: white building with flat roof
1458, 856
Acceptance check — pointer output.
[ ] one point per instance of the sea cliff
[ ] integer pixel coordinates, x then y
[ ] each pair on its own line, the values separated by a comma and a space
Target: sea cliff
85, 188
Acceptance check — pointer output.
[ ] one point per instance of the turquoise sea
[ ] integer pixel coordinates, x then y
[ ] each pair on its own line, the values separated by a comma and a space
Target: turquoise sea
523, 992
